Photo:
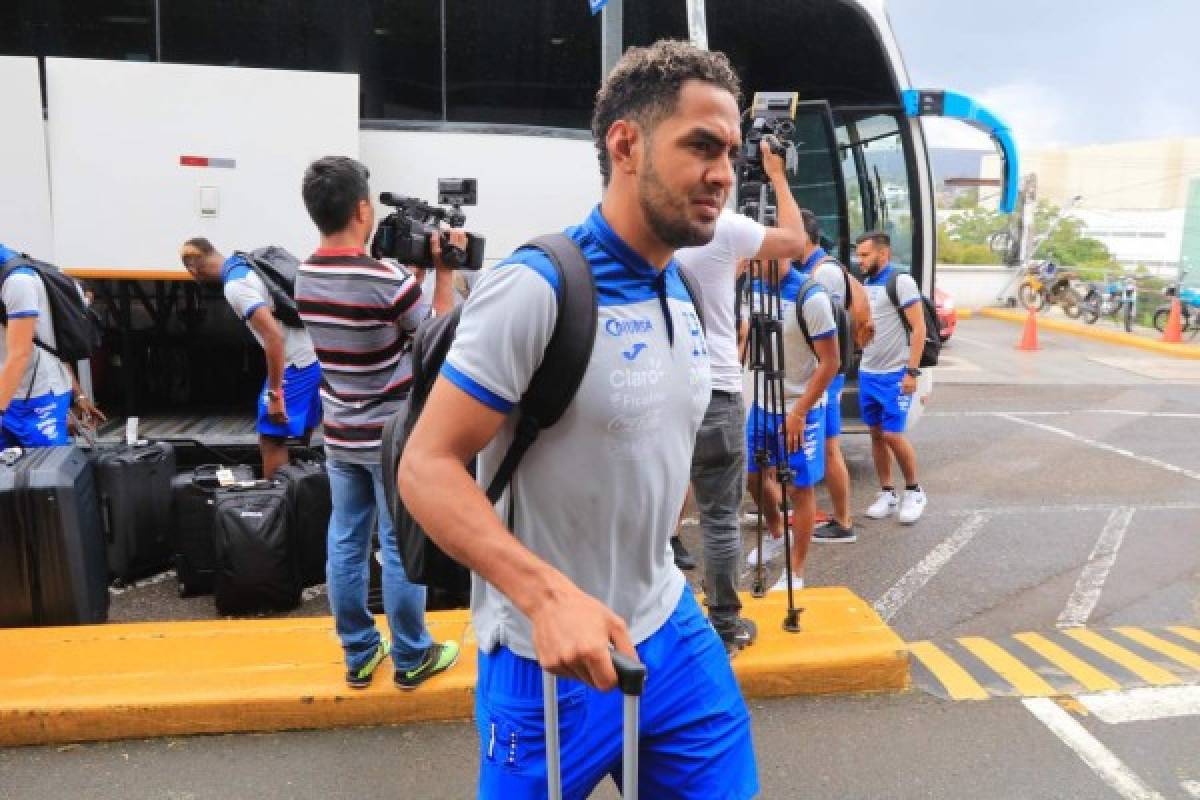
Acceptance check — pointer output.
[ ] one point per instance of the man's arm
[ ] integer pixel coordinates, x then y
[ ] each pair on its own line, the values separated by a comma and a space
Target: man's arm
19, 341
267, 327
860, 312
787, 240
572, 631
915, 315
829, 361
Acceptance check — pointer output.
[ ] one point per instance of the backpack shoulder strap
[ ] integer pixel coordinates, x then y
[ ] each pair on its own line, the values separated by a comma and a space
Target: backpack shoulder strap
806, 289
828, 259
567, 354
894, 295
697, 298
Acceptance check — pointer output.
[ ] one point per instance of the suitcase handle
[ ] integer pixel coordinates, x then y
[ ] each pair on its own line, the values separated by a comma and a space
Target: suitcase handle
631, 674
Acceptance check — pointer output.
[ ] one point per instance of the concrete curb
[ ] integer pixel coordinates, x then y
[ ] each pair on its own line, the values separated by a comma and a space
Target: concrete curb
1189, 351
165, 679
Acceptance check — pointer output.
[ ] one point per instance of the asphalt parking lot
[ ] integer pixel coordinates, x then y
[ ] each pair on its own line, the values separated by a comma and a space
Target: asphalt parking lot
1064, 492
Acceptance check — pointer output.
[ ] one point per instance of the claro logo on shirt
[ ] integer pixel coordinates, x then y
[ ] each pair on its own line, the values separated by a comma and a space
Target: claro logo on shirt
627, 327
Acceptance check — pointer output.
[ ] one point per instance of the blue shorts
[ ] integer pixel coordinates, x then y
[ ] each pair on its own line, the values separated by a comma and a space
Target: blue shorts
808, 464
882, 402
695, 729
833, 407
36, 422
301, 397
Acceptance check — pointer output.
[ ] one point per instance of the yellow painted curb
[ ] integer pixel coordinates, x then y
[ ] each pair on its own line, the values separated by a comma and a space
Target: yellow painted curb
1190, 351
966, 313
230, 676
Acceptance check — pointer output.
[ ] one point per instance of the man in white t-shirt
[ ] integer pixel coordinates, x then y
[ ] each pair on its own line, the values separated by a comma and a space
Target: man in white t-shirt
289, 406
719, 459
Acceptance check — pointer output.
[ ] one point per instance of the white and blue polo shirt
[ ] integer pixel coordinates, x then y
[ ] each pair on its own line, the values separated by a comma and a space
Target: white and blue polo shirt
598, 495
246, 293
24, 295
799, 362
889, 351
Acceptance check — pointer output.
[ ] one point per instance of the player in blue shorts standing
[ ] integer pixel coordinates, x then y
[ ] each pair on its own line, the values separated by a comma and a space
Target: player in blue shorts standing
887, 377
289, 406
810, 363
588, 565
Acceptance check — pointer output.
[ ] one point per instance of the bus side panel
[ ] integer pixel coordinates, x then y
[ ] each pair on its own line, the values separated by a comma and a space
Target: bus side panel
528, 185
119, 134
25, 201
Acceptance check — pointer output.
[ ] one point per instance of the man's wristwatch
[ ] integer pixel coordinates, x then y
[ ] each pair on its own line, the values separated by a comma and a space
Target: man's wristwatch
912, 371
272, 395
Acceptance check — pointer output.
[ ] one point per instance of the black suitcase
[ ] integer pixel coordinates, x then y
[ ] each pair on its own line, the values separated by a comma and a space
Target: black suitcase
310, 506
50, 529
135, 504
257, 568
193, 496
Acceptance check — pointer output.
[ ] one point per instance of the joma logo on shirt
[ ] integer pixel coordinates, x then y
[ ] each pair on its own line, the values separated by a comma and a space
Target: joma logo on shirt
624, 327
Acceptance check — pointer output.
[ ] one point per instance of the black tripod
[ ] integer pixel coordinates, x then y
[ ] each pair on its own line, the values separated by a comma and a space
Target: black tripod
765, 362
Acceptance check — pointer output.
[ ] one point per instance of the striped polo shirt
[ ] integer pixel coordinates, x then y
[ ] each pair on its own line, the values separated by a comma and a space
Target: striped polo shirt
361, 314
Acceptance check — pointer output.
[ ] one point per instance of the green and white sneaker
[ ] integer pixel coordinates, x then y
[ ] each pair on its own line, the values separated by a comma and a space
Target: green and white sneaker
361, 678
438, 658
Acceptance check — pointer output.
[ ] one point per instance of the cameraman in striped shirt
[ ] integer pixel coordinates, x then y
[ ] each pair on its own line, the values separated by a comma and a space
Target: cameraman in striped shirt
361, 314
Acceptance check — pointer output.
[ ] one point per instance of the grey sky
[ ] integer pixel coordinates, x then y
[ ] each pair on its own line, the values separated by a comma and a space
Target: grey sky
1060, 72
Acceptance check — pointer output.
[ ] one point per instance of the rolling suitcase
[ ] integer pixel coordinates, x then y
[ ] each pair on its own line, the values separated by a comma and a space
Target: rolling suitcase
52, 531
193, 496
631, 679
310, 505
257, 568
135, 504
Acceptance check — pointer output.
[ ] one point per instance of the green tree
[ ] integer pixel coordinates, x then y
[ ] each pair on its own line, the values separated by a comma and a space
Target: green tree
1065, 242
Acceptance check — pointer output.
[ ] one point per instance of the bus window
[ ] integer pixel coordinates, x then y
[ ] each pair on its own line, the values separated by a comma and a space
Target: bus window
878, 184
536, 63
815, 181
119, 30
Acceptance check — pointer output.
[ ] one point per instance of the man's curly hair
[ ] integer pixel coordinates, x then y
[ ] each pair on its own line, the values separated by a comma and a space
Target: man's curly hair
644, 86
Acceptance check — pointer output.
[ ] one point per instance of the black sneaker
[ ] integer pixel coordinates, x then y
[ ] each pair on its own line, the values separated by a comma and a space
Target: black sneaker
683, 559
742, 634
832, 532
438, 658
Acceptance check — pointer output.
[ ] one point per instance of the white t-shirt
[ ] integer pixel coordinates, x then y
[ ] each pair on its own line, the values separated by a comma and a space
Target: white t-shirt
714, 266
24, 295
246, 293
890, 349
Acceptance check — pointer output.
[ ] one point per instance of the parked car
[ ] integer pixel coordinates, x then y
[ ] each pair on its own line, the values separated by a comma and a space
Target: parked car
946, 313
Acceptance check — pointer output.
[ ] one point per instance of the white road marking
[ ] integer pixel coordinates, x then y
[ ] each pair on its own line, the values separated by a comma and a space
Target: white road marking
1091, 581
1191, 787
1075, 508
904, 589
1110, 411
1107, 766
1154, 462
1141, 705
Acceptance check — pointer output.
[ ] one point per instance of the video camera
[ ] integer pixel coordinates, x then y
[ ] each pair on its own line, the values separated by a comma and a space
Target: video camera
772, 117
405, 234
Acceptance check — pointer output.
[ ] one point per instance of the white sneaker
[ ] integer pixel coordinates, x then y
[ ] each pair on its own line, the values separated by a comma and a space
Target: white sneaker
912, 507
885, 503
781, 584
772, 549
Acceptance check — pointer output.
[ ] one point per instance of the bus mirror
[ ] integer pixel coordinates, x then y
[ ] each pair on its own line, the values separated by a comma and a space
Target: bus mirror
940, 103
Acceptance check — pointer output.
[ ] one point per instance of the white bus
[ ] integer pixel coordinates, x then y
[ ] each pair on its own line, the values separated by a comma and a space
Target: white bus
197, 118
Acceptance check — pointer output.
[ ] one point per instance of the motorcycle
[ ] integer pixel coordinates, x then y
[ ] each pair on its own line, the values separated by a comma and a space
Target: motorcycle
1115, 298
1044, 285
1189, 307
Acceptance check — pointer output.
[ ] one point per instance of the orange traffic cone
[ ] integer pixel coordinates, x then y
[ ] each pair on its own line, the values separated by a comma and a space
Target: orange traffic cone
1029, 335
1173, 332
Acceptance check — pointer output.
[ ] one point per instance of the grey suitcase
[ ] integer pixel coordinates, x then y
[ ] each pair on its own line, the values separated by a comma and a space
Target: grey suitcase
631, 679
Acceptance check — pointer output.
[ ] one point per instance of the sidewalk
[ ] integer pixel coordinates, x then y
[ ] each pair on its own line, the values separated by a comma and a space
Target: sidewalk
162, 679
1103, 330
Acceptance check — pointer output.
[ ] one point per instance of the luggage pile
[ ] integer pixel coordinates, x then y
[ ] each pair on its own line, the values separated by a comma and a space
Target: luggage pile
72, 523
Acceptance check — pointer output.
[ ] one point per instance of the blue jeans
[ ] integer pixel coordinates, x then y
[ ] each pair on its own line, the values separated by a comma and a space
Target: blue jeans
358, 499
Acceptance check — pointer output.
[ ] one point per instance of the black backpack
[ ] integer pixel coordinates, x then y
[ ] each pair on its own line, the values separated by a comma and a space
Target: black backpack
550, 391
76, 329
845, 342
277, 268
933, 341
